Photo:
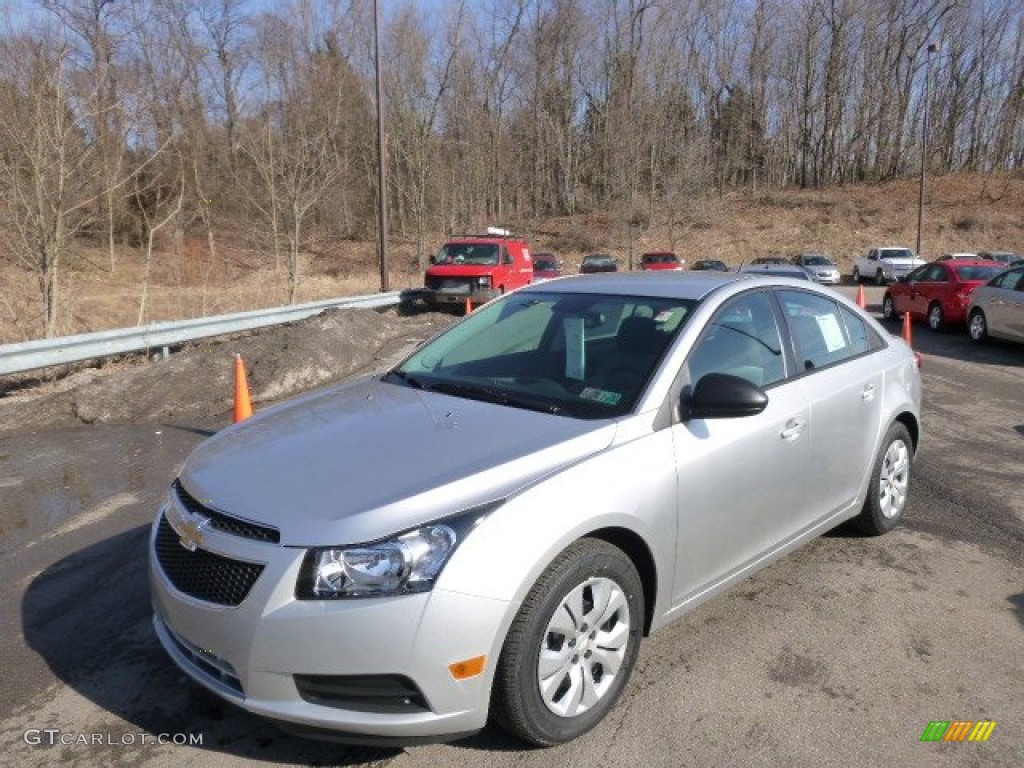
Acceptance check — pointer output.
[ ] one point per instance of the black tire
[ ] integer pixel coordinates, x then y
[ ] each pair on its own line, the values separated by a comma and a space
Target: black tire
889, 308
585, 569
936, 317
856, 275
977, 327
880, 277
889, 485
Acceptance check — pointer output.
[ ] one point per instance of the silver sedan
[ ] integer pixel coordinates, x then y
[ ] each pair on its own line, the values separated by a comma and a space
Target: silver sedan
997, 308
487, 531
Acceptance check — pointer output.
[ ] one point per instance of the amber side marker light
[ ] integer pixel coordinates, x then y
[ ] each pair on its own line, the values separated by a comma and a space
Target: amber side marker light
461, 670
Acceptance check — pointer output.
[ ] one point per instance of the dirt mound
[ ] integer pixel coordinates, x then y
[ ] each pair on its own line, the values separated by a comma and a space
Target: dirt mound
196, 384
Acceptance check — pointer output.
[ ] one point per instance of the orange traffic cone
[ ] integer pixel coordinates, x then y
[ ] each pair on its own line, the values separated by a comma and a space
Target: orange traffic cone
243, 403
861, 301
469, 306
906, 329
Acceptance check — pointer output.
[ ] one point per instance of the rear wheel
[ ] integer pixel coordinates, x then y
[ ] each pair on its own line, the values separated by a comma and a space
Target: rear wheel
890, 481
571, 647
936, 318
977, 326
880, 277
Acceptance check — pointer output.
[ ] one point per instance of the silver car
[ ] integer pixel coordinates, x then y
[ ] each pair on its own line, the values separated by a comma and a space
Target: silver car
997, 308
820, 267
487, 531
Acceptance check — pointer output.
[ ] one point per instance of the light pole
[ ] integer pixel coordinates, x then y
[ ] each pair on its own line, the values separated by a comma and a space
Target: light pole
932, 48
382, 192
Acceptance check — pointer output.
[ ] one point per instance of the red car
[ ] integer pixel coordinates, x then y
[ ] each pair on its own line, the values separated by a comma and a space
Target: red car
940, 291
660, 260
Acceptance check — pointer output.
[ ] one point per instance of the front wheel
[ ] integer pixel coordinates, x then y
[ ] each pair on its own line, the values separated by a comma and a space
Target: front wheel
571, 647
880, 277
977, 326
888, 308
890, 481
936, 319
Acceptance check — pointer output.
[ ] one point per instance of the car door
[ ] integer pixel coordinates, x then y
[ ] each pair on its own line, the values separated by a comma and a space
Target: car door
932, 283
842, 384
1004, 305
902, 292
741, 481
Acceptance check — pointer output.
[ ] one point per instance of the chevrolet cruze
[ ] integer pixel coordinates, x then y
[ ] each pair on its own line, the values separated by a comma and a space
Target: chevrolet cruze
488, 530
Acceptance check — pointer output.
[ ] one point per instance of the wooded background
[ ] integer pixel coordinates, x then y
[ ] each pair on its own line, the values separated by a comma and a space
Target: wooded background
130, 123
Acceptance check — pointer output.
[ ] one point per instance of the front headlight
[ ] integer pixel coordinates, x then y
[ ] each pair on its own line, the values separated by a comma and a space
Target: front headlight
408, 563
484, 281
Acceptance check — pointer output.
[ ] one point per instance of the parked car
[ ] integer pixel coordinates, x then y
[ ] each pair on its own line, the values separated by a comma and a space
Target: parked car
886, 264
598, 262
775, 269
997, 308
712, 265
475, 268
957, 255
1003, 257
770, 260
820, 267
489, 529
546, 266
661, 260
939, 292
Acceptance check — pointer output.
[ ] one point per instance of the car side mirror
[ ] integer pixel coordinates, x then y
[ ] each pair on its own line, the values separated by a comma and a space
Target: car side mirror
721, 396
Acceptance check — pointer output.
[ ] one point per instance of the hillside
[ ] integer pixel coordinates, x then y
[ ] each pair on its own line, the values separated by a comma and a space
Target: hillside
963, 212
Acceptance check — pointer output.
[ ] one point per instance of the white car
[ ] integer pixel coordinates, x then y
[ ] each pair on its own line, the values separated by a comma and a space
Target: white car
488, 530
886, 264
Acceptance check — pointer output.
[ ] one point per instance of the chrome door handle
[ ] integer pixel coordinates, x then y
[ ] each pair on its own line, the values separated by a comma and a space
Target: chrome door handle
792, 429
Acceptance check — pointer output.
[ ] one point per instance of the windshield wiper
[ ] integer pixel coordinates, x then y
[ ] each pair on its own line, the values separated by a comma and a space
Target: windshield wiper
408, 378
490, 395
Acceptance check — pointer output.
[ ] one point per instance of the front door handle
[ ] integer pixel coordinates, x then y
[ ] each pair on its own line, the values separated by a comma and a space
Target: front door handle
792, 429
868, 393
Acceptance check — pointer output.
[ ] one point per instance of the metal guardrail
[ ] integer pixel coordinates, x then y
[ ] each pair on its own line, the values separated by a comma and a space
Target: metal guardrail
29, 355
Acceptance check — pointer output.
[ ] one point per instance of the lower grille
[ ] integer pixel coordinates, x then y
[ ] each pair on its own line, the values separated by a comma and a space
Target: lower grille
201, 574
362, 693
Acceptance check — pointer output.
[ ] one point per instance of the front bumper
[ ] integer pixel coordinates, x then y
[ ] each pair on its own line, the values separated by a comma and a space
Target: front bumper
827, 278
276, 656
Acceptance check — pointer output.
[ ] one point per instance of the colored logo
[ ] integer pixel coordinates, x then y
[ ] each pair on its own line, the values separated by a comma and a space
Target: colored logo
958, 730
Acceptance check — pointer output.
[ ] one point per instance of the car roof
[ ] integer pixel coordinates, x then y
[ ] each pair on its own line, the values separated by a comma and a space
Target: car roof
678, 285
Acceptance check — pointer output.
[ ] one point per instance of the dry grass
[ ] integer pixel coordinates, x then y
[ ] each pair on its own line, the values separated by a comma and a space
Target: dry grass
964, 212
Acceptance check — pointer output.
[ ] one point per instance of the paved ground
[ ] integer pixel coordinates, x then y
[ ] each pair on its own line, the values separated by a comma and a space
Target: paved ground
838, 655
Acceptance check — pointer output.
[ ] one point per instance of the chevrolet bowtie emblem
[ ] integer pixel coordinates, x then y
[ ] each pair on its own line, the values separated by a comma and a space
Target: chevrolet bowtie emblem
191, 531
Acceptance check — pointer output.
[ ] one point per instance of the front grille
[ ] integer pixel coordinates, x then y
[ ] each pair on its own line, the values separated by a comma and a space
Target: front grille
450, 284
363, 693
201, 574
226, 523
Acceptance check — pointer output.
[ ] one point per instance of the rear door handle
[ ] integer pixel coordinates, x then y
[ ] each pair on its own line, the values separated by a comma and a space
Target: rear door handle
868, 393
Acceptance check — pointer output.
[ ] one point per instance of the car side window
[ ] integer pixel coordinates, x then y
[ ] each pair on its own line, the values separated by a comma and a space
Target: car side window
1013, 280
743, 340
918, 274
821, 336
935, 274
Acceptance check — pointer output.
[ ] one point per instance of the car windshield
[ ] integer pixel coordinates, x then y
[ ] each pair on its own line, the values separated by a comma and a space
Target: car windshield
467, 253
545, 265
978, 273
597, 261
896, 253
575, 355
818, 261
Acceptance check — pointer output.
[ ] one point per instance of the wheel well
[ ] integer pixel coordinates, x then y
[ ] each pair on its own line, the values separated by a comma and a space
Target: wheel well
637, 551
907, 419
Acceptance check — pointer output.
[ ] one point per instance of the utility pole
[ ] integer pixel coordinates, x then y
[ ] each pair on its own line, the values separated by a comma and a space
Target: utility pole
382, 192
932, 48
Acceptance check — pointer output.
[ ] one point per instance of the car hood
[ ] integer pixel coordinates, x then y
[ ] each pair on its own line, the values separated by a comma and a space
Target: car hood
366, 459
903, 261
